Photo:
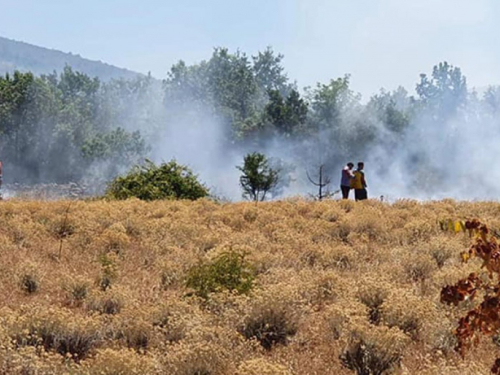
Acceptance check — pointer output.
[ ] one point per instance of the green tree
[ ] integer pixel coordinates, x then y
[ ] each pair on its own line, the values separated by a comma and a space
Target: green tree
286, 115
445, 92
269, 72
257, 178
394, 109
329, 101
118, 148
492, 99
232, 83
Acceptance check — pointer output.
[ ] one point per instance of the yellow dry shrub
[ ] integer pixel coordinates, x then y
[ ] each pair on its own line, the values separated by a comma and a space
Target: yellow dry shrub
418, 231
30, 361
410, 313
273, 315
197, 358
77, 289
53, 330
120, 362
319, 288
369, 224
29, 277
174, 320
113, 239
332, 214
372, 291
341, 257
323, 271
418, 267
374, 349
110, 302
261, 366
339, 318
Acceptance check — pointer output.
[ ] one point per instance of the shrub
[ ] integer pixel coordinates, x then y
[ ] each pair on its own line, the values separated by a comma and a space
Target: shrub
136, 334
29, 283
199, 358
229, 271
373, 296
441, 255
374, 351
261, 367
106, 304
150, 182
120, 362
109, 271
269, 326
419, 269
29, 279
77, 290
408, 312
54, 330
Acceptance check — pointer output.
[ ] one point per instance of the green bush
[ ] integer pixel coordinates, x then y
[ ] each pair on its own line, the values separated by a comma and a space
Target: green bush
149, 182
229, 271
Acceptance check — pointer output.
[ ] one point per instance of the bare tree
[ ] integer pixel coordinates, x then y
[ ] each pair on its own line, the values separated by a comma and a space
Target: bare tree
321, 182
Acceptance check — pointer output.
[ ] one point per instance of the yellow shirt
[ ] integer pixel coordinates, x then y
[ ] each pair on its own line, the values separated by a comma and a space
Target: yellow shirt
357, 181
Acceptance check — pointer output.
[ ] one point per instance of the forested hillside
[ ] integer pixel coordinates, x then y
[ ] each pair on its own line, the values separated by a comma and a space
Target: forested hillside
26, 57
69, 126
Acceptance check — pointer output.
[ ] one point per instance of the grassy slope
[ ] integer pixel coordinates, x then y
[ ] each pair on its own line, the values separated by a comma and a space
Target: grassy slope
325, 267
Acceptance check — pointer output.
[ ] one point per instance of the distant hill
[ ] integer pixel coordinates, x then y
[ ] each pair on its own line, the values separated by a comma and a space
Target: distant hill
27, 57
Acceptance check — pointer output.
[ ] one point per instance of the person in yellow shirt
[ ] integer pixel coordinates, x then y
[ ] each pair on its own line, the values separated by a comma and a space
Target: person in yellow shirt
359, 183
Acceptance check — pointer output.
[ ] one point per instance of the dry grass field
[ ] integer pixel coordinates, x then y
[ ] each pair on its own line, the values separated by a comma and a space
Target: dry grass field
202, 288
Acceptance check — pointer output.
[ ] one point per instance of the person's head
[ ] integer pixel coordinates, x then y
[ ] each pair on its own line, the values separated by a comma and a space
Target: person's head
361, 165
350, 165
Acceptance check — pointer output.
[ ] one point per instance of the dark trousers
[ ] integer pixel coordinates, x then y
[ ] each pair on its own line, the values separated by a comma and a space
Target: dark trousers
360, 194
345, 191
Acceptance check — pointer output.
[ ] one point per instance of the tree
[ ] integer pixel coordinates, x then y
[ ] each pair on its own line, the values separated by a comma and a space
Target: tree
269, 73
444, 92
286, 115
329, 101
258, 178
393, 109
321, 182
492, 99
118, 149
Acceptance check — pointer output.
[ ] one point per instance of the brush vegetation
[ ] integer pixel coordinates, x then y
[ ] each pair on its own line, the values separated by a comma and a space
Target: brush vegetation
150, 182
182, 287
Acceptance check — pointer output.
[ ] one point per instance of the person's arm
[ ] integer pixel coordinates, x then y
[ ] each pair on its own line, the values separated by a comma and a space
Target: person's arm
363, 181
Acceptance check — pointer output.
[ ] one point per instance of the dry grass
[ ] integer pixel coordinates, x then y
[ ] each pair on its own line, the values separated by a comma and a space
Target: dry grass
338, 288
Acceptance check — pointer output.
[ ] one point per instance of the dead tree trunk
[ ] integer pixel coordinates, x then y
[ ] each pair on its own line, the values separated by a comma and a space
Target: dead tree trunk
321, 182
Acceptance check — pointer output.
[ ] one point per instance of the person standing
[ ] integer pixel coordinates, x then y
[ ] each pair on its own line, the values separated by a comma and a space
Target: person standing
346, 180
359, 183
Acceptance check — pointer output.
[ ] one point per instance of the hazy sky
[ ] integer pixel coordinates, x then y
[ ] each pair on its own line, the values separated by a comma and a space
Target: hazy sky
381, 43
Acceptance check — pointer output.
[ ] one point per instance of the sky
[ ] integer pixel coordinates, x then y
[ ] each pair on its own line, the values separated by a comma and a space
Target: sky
380, 43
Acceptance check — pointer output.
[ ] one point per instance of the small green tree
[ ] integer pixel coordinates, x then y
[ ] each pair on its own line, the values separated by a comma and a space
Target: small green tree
258, 177
149, 182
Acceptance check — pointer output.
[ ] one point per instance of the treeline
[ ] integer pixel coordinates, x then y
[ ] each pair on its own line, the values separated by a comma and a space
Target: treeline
54, 128
69, 126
